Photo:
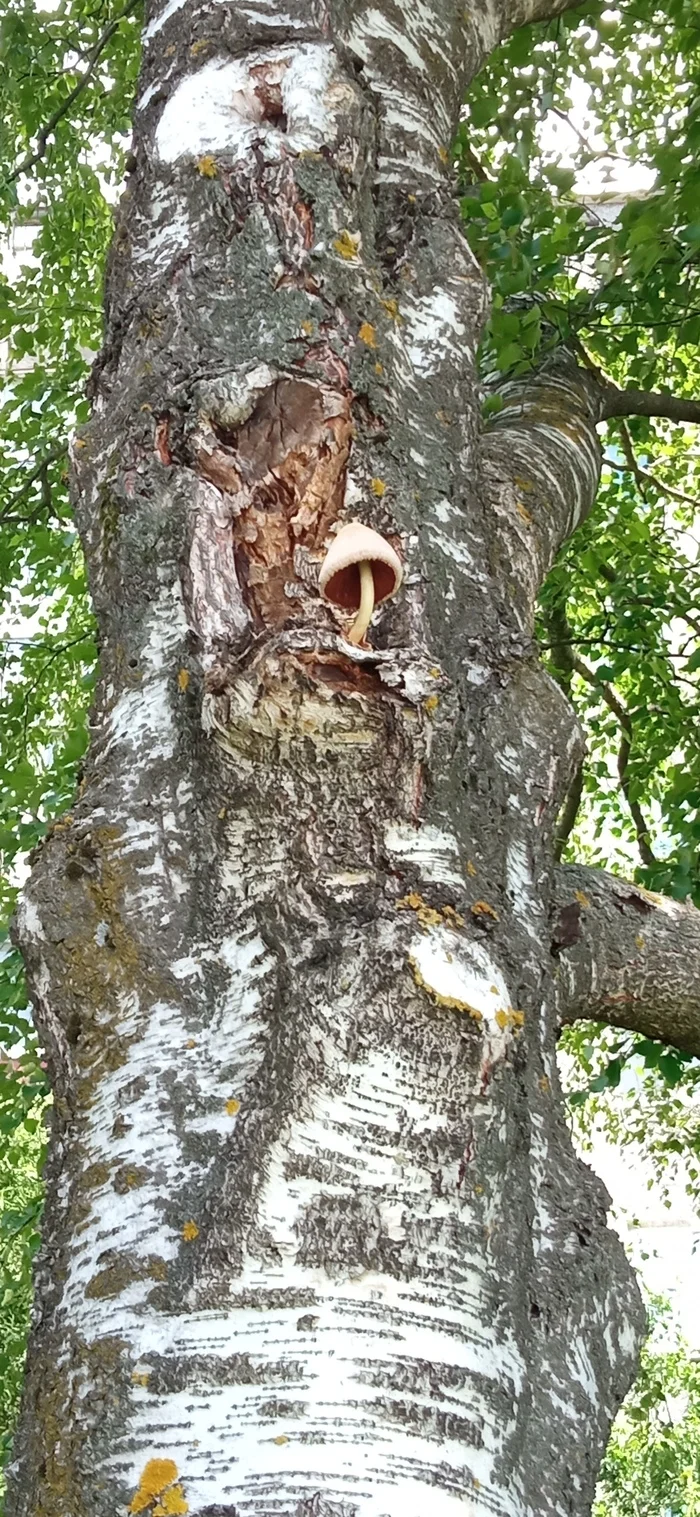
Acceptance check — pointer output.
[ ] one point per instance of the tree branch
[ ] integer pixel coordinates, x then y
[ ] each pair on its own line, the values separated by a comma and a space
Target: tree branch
643, 476
566, 663
620, 711
566, 821
626, 957
39, 472
616, 402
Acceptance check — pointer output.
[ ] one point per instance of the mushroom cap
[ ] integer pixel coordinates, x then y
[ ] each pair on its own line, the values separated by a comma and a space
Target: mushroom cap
339, 580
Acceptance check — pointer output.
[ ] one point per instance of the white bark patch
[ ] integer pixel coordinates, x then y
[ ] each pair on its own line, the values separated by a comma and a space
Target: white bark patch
434, 331
520, 889
433, 852
29, 919
217, 110
216, 1061
375, 26
167, 234
461, 974
143, 719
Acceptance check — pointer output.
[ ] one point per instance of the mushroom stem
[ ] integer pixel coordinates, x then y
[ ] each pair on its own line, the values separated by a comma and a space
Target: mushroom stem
366, 606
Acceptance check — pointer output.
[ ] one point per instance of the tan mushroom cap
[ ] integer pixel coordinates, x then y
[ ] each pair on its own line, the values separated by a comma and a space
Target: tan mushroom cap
355, 544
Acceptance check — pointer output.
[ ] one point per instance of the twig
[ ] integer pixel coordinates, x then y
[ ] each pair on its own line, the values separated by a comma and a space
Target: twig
38, 473
566, 663
566, 820
35, 155
473, 163
620, 711
644, 476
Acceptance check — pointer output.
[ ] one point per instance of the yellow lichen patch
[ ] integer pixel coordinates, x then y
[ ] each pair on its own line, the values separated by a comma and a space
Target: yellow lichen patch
452, 1002
183, 679
640, 940
191, 1043
392, 308
190, 1231
471, 869
410, 902
280, 1439
307, 328
431, 704
524, 484
172, 1503
347, 244
158, 1476
232, 1107
378, 487
443, 155
544, 1083
429, 916
510, 1018
207, 166
482, 909
141, 1377
368, 335
526, 515
581, 898
195, 50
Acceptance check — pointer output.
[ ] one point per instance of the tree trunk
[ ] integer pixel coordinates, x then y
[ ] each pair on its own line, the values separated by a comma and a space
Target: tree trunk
316, 1243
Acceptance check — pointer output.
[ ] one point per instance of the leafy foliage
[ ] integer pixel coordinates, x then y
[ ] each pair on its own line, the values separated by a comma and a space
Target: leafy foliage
652, 1467
20, 1209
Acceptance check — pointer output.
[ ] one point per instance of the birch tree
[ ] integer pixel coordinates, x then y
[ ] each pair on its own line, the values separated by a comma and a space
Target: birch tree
316, 1241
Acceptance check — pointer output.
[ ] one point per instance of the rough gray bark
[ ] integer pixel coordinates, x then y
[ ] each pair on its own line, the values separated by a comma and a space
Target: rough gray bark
627, 956
316, 1242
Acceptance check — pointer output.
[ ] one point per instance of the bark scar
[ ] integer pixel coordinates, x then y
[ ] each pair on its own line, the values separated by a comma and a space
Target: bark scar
284, 473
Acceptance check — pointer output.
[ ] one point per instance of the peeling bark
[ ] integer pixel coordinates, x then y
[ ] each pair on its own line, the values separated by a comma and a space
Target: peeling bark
316, 1241
627, 956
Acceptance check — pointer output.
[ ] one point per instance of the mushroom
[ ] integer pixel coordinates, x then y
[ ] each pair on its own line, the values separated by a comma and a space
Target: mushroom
359, 570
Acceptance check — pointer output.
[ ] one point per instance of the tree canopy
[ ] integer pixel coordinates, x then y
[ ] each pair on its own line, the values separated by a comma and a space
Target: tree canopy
565, 118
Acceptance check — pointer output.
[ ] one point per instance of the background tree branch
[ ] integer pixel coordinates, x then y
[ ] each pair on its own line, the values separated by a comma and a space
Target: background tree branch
617, 402
627, 957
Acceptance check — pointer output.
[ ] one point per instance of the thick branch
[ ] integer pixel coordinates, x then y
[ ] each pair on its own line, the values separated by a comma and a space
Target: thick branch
627, 957
616, 402
541, 458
